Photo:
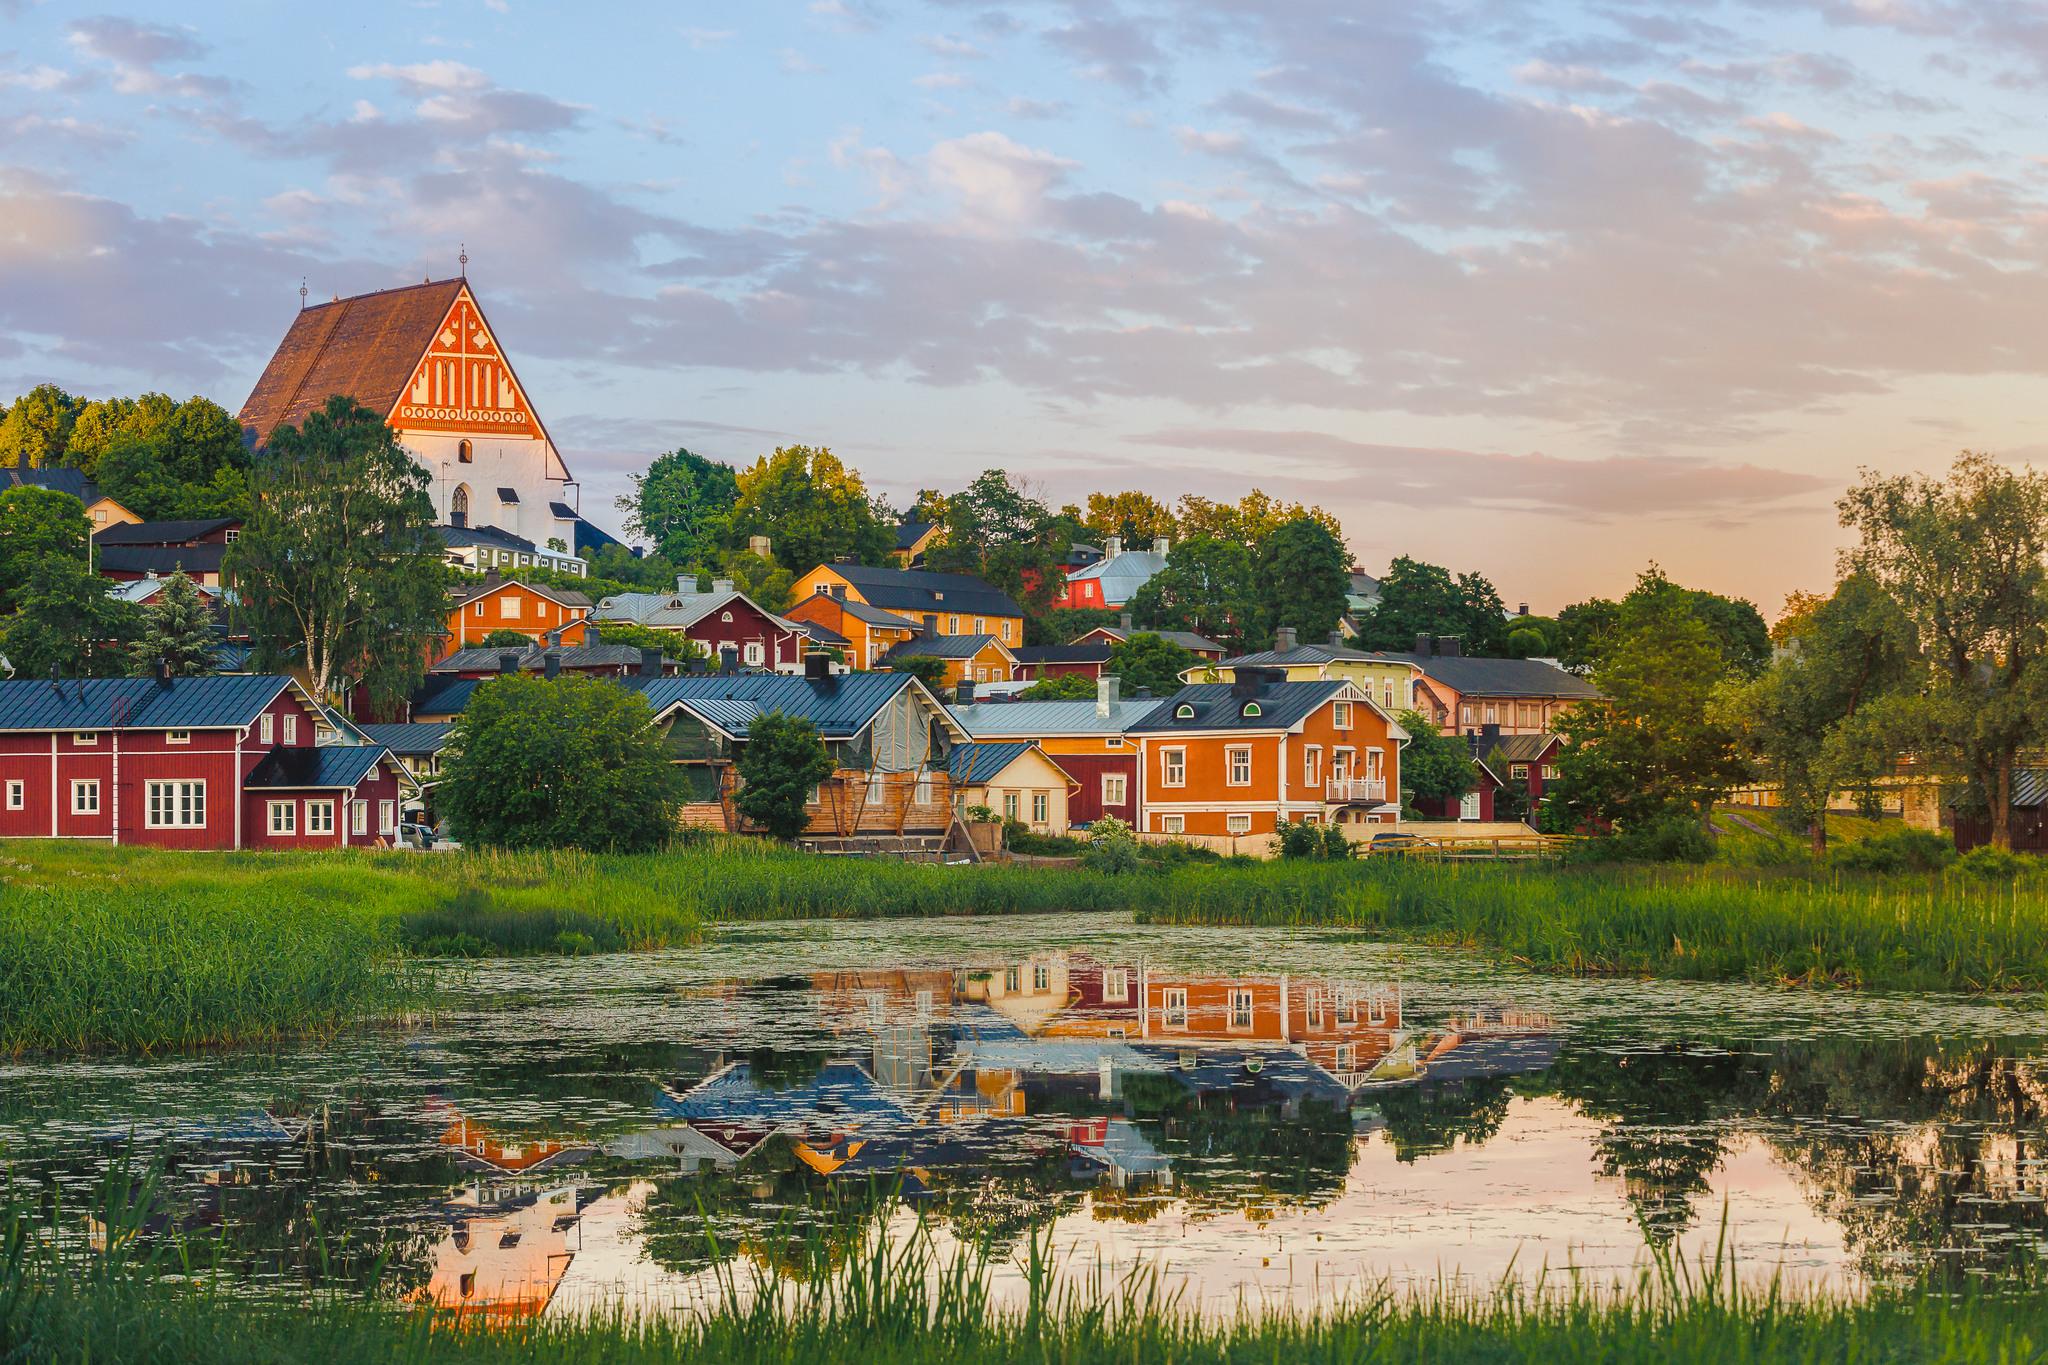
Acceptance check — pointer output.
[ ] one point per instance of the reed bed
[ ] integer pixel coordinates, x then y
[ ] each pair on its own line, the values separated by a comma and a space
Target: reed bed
125, 1297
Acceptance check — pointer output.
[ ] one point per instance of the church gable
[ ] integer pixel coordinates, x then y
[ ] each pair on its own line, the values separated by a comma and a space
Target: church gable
463, 384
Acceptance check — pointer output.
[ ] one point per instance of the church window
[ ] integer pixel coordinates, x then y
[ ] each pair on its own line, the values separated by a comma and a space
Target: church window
458, 505
464, 452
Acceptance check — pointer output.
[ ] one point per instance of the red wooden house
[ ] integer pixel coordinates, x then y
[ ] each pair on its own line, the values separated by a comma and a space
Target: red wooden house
215, 763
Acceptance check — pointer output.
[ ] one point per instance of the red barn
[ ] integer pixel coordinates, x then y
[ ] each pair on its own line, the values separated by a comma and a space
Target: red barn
184, 763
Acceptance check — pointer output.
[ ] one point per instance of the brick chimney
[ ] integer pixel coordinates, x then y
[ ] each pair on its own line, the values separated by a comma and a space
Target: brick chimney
963, 692
1450, 647
1283, 639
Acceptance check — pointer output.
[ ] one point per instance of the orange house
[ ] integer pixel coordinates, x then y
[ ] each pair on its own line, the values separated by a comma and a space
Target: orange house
968, 658
536, 612
869, 631
937, 603
1244, 757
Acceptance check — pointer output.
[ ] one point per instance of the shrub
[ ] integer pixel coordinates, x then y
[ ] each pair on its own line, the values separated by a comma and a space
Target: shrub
1298, 839
1111, 847
783, 763
1335, 845
1905, 850
1990, 864
1675, 838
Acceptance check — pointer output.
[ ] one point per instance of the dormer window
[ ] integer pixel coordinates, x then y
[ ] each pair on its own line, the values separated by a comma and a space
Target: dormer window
1185, 711
1251, 708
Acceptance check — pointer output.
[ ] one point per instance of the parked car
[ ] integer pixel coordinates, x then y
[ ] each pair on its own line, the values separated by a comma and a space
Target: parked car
1392, 842
426, 838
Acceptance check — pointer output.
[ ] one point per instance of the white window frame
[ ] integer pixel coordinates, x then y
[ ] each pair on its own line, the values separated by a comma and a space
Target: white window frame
177, 736
358, 817
1388, 693
387, 817
754, 653
1115, 787
1173, 824
1240, 823
1340, 715
1312, 765
17, 795
85, 796
291, 729
477, 607
85, 738
1518, 771
266, 729
1013, 980
1347, 1056
1116, 985
1173, 1007
1468, 806
510, 606
286, 827
1315, 1007
1173, 767
174, 803
1010, 805
1041, 977
923, 794
1242, 1006
1114, 742
1550, 772
319, 817
1006, 631
1230, 757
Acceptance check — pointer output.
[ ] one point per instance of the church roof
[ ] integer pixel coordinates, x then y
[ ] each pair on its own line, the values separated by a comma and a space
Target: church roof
365, 347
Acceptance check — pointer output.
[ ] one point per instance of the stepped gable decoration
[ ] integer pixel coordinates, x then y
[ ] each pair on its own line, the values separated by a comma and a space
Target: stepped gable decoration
463, 382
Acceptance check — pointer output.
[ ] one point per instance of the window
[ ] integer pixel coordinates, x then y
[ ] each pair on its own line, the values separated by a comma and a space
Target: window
319, 817
477, 608
1347, 1008
1113, 788
953, 626
1252, 709
923, 795
85, 796
1376, 1010
1312, 765
1549, 773
1347, 1056
17, 795
174, 805
177, 737
233, 534
85, 737
1006, 632
1388, 693
1013, 978
874, 784
1238, 824
1116, 985
1519, 771
465, 452
1468, 806
266, 729
1114, 742
754, 654
1315, 1007
1240, 1009
284, 818
1173, 824
1009, 805
387, 817
1185, 711
1493, 715
458, 506
1239, 763
1465, 713
1173, 768
291, 729
1041, 808
1041, 978
1340, 715
358, 817
1175, 1014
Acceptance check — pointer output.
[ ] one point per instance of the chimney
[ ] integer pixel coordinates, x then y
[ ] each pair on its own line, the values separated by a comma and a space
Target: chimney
551, 664
508, 662
721, 585
817, 666
686, 584
163, 672
1142, 694
1489, 731
1112, 546
1336, 639
1424, 646
728, 659
590, 636
1161, 545
1124, 623
963, 692
1283, 639
1522, 610
650, 663
931, 622
1106, 689
1450, 647
758, 545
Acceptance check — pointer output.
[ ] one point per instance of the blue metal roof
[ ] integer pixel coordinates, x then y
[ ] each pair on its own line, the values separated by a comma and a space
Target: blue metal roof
445, 698
840, 1091
420, 737
841, 706
209, 703
329, 766
1051, 719
1217, 706
971, 765
943, 647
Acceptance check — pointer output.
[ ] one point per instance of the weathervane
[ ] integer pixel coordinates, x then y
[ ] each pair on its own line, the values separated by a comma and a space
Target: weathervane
463, 260
302, 293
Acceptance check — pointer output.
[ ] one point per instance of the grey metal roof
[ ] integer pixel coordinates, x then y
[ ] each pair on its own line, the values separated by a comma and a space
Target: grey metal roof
875, 616
1309, 654
1186, 639
533, 658
419, 737
910, 532
161, 532
456, 537
1513, 748
841, 706
2030, 786
1476, 677
919, 590
944, 647
824, 635
137, 589
1218, 707
160, 560
327, 767
1062, 654
209, 703
974, 764
56, 478
445, 697
1050, 719
592, 538
1121, 575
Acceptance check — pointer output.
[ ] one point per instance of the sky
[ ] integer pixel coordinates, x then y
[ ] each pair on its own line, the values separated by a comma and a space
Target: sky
1545, 291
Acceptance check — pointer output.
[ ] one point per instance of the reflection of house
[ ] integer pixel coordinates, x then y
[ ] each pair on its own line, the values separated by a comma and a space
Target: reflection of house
1028, 994
506, 1252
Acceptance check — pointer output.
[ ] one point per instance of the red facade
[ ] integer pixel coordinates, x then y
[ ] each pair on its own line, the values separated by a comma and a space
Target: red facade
1086, 805
775, 647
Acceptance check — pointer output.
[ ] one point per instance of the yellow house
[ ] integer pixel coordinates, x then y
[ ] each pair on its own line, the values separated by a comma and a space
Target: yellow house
1389, 679
937, 603
1015, 780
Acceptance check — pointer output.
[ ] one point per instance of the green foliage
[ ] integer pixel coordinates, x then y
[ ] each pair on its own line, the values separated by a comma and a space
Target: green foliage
1418, 598
615, 569
683, 503
38, 426
928, 669
1138, 517
339, 570
760, 578
1526, 642
1906, 850
37, 524
1667, 838
1151, 662
999, 533
1303, 579
1991, 864
505, 638
1434, 766
69, 623
108, 422
569, 763
1588, 631
1112, 848
781, 764
1251, 521
1208, 586
1060, 687
187, 462
673, 644
1300, 840
177, 631
813, 507
1064, 625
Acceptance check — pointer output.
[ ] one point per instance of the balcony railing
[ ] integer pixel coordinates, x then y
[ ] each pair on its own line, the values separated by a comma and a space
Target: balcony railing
1358, 789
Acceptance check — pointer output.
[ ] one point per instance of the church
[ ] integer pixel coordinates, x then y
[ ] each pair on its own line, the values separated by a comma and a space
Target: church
424, 357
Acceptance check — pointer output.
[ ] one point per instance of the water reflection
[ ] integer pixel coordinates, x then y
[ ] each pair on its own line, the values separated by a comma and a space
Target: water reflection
1265, 1136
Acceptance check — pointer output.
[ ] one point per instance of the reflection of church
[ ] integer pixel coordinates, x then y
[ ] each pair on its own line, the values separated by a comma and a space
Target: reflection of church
423, 357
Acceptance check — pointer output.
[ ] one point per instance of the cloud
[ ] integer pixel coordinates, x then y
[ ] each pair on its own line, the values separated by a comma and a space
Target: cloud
136, 51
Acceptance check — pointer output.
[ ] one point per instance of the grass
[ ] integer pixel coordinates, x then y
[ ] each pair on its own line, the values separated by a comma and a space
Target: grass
1708, 923
897, 1302
1757, 836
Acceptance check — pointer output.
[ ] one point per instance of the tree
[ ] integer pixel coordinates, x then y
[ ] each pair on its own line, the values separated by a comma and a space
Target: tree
1526, 642
1818, 721
108, 421
781, 764
760, 578
1434, 766
1150, 662
1963, 558
1587, 629
1249, 521
177, 632
339, 570
37, 427
1207, 586
928, 669
506, 638
1139, 518
559, 763
1418, 598
1303, 579
69, 623
673, 644
37, 524
1657, 748
813, 508
683, 504
1060, 687
997, 531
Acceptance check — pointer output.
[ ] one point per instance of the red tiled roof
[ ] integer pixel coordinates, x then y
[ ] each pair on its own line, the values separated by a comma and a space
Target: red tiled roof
366, 347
